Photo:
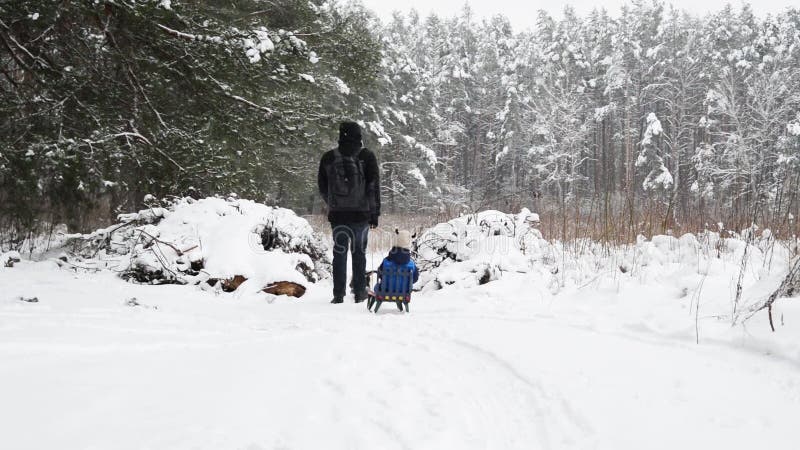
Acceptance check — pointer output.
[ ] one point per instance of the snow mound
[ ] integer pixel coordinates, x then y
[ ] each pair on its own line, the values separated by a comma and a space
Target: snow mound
203, 242
8, 259
477, 248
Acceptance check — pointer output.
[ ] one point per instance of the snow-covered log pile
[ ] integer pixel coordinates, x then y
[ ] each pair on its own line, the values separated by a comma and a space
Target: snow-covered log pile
475, 249
223, 244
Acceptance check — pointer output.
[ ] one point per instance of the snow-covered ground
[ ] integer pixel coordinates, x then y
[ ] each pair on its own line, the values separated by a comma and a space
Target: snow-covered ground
610, 364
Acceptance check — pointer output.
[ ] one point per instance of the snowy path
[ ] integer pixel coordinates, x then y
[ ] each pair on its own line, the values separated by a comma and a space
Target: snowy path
496, 367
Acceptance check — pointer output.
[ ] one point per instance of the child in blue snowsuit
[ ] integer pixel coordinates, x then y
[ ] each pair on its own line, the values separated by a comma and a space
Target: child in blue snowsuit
399, 257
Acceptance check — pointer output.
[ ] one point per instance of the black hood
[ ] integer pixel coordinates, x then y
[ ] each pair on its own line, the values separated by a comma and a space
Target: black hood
399, 256
349, 136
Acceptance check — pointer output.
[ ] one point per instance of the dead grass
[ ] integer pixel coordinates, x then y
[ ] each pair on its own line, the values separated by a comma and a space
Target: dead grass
612, 226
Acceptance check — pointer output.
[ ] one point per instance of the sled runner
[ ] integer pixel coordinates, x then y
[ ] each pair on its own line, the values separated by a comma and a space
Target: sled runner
394, 285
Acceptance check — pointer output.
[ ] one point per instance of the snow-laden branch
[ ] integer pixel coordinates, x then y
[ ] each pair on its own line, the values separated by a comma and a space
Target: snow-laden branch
192, 37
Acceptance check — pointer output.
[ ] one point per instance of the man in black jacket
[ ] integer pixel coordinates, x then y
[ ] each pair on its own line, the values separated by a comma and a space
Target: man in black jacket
348, 180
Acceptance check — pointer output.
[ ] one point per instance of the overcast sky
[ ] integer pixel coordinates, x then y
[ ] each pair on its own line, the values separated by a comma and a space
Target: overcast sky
522, 12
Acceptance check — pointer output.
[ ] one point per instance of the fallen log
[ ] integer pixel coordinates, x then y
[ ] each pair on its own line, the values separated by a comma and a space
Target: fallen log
285, 288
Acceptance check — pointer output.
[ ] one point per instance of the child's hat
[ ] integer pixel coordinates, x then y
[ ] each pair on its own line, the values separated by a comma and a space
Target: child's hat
402, 239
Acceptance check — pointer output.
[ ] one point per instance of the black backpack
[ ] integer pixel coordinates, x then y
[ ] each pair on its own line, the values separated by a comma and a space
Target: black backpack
347, 184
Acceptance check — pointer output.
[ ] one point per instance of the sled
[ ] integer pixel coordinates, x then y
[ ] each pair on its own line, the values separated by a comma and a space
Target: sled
394, 285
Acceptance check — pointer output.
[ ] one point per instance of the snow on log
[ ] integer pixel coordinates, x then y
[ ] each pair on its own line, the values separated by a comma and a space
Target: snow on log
216, 243
475, 249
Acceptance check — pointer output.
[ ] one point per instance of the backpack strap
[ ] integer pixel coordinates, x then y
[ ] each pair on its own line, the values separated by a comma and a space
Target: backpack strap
355, 154
337, 155
361, 164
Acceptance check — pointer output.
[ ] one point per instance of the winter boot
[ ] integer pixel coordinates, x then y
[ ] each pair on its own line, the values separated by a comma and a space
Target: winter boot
361, 296
337, 300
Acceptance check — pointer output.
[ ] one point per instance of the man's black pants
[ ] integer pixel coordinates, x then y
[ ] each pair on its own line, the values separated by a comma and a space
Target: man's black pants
353, 237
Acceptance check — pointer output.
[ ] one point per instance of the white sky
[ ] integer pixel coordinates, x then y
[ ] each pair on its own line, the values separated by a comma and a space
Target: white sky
522, 13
